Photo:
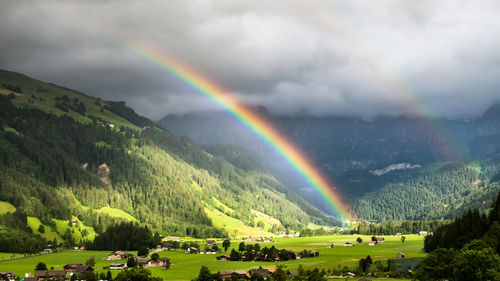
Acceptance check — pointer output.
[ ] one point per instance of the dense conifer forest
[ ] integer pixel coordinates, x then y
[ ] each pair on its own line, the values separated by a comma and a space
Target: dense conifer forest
60, 163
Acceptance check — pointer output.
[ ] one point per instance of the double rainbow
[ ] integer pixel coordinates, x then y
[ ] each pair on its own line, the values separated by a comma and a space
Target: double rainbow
265, 131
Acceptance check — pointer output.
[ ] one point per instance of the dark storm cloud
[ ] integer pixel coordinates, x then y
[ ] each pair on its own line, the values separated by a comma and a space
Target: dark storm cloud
294, 57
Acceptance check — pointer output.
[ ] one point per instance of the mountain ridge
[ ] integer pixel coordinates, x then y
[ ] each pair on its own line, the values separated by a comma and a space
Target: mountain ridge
54, 140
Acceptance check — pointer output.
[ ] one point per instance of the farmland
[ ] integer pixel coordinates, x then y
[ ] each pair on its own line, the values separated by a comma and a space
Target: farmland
186, 266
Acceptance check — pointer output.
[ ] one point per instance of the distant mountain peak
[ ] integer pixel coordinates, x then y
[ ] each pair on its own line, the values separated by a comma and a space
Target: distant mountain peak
492, 112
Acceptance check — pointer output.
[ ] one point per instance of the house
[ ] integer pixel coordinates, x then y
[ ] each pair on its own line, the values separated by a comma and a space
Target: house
348, 244
50, 274
77, 268
349, 275
268, 240
46, 251
372, 243
400, 255
174, 239
143, 261
32, 278
8, 276
147, 262
422, 233
211, 242
259, 272
223, 258
329, 246
380, 239
118, 266
118, 255
192, 250
228, 274
398, 234
254, 240
165, 262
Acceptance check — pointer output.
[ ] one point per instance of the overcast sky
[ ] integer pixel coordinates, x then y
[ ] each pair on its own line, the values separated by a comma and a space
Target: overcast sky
311, 57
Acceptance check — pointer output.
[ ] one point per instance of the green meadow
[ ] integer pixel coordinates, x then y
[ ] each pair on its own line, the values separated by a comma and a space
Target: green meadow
187, 266
6, 207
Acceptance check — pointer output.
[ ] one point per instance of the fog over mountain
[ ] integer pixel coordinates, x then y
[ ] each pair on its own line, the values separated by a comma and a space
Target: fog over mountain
312, 58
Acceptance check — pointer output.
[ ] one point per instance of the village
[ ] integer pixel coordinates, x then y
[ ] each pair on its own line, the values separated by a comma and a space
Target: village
264, 260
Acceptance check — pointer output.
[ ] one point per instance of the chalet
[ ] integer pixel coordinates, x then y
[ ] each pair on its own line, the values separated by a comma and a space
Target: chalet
143, 261
348, 244
77, 268
380, 239
118, 255
223, 258
50, 274
349, 275
372, 243
174, 239
398, 234
254, 240
118, 266
228, 274
423, 233
211, 242
192, 250
46, 251
165, 262
8, 276
329, 246
260, 272
268, 240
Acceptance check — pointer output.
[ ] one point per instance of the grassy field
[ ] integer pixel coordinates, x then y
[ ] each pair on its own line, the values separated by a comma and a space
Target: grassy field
34, 224
116, 213
6, 207
45, 95
187, 266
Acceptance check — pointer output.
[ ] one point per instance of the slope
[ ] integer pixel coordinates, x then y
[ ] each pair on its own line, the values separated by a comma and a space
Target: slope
66, 154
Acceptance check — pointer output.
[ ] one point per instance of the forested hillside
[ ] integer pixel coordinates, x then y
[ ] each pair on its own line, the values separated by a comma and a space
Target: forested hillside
387, 168
65, 154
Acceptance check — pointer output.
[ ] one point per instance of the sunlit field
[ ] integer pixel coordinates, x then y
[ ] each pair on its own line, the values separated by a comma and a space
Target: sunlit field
186, 266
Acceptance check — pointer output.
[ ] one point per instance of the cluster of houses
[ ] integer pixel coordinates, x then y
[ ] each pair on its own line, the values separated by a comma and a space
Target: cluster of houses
256, 272
63, 274
141, 261
259, 240
289, 235
377, 240
8, 276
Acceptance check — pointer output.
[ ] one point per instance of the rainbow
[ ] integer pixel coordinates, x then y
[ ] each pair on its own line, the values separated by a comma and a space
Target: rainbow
265, 131
324, 16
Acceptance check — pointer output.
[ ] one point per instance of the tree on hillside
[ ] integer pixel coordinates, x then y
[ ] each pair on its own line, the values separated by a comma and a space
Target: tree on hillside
91, 261
403, 238
143, 252
359, 240
131, 262
155, 256
136, 274
41, 266
206, 275
241, 247
226, 244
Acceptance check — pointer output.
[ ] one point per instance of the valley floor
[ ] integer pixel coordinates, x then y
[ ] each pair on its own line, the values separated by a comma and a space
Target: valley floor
186, 266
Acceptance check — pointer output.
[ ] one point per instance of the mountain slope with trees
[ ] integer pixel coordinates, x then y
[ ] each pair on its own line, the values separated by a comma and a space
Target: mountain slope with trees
66, 154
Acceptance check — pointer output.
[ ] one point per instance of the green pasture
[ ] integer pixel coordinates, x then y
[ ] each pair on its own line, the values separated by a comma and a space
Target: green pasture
187, 266
6, 207
116, 213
